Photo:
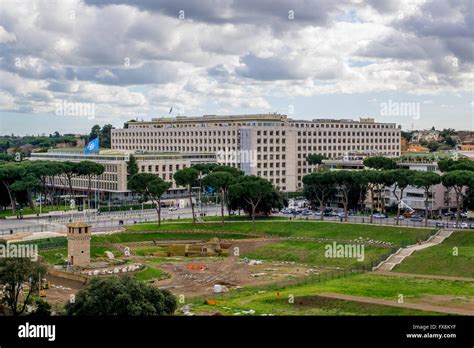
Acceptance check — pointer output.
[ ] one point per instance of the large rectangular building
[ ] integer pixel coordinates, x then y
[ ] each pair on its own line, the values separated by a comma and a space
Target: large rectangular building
112, 184
268, 145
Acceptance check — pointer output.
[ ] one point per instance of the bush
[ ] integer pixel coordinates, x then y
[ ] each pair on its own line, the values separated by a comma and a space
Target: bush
122, 296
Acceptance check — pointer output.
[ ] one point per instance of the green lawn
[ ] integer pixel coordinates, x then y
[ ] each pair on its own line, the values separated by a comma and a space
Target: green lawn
57, 255
150, 273
313, 252
330, 230
162, 259
54, 256
149, 250
128, 237
440, 260
264, 299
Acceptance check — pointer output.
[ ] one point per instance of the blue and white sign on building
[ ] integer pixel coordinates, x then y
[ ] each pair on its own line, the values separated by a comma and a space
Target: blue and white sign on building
92, 146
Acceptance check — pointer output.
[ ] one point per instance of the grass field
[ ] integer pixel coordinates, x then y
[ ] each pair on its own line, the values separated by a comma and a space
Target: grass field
313, 252
150, 273
264, 300
149, 250
162, 259
57, 255
329, 230
127, 237
440, 259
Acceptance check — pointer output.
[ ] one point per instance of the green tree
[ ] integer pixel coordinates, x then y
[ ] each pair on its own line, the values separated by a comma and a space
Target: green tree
450, 165
19, 278
70, 170
315, 159
375, 182
433, 146
251, 190
220, 182
458, 180
399, 179
345, 181
360, 187
95, 132
9, 174
380, 162
27, 183
89, 169
132, 166
187, 177
105, 136
317, 187
425, 181
149, 186
121, 296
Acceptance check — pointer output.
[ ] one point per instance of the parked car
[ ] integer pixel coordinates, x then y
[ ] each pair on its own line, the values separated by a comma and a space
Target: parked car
471, 226
461, 225
440, 224
379, 216
416, 219
401, 217
173, 208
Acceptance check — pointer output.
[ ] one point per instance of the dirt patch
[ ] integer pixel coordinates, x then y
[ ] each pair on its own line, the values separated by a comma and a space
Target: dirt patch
230, 271
61, 289
448, 301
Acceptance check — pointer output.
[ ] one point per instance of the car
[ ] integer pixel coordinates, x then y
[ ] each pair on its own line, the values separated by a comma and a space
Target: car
461, 225
341, 215
379, 216
317, 213
173, 208
416, 219
401, 217
449, 213
440, 224
471, 226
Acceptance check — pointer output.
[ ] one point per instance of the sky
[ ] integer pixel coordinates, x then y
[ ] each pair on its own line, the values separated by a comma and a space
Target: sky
67, 65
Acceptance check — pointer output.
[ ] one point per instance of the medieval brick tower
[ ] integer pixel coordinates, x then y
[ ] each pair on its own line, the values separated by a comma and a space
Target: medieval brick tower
79, 244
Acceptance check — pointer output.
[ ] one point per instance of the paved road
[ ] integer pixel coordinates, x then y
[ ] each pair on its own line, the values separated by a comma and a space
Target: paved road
366, 219
101, 221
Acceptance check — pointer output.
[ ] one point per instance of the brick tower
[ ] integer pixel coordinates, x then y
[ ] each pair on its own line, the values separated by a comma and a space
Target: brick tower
79, 244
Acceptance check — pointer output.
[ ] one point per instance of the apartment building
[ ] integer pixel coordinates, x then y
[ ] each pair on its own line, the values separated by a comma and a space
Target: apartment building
112, 184
440, 199
272, 146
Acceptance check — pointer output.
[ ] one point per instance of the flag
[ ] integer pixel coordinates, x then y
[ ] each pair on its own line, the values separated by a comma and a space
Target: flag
170, 110
92, 146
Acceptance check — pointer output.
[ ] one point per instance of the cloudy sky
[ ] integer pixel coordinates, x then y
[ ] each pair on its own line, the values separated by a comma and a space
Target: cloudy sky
404, 61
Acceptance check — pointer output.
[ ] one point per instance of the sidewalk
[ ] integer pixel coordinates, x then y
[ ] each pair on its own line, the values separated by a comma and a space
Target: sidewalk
403, 253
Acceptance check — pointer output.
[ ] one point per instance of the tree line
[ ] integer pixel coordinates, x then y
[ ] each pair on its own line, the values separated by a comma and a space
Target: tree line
384, 172
19, 180
234, 189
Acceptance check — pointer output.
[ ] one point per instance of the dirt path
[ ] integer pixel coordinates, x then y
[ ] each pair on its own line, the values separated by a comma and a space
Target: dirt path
422, 307
428, 276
